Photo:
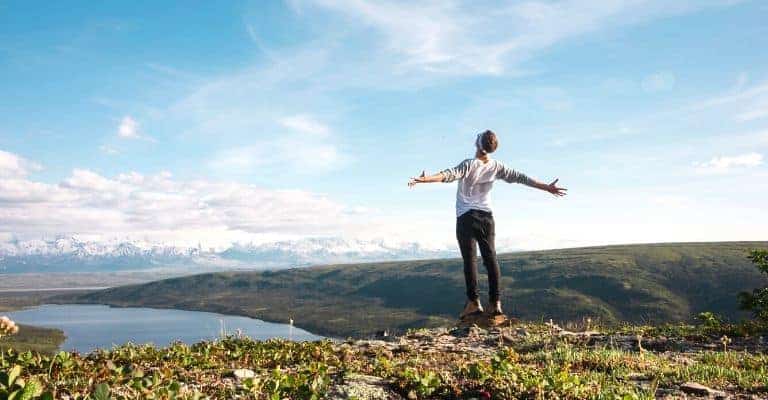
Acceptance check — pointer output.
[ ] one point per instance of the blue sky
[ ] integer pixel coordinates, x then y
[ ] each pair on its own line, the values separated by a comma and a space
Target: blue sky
256, 121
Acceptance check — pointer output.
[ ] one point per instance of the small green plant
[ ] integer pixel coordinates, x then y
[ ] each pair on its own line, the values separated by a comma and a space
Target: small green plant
422, 383
13, 387
709, 320
757, 301
101, 392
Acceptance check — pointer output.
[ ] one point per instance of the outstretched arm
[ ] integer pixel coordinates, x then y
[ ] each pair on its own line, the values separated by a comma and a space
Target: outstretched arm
446, 175
509, 175
551, 188
424, 178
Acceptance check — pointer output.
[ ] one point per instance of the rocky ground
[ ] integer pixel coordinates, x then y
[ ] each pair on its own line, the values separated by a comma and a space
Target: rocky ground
479, 359
473, 343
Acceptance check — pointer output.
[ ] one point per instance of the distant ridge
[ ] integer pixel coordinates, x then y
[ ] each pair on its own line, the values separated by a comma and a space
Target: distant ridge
638, 283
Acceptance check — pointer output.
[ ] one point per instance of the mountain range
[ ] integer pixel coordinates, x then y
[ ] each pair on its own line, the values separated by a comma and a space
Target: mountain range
71, 254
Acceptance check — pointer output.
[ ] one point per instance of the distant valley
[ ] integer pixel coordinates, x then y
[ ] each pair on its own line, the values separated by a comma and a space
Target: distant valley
637, 283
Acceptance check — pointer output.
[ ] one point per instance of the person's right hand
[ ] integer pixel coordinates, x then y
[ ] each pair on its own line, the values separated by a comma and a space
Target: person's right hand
417, 179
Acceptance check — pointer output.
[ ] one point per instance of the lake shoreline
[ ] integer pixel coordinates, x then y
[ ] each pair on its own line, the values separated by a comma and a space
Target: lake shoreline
318, 330
88, 327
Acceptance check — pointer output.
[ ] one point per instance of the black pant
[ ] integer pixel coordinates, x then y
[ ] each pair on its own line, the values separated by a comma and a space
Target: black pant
476, 228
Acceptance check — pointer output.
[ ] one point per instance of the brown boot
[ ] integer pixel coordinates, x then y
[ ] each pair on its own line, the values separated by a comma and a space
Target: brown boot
496, 308
473, 307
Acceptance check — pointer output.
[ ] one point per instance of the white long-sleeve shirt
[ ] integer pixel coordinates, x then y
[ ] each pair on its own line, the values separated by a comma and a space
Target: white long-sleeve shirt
476, 180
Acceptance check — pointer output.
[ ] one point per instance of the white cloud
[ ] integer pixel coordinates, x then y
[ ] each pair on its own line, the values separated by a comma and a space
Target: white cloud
12, 165
725, 164
85, 180
658, 82
740, 96
299, 155
129, 129
87, 202
757, 110
305, 123
109, 150
458, 37
259, 116
306, 147
238, 159
312, 156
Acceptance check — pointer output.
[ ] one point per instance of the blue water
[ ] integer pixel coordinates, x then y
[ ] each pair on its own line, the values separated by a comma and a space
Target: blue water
89, 327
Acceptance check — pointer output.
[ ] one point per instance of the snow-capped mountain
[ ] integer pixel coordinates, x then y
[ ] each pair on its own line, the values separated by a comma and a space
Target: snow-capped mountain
70, 254
330, 250
67, 254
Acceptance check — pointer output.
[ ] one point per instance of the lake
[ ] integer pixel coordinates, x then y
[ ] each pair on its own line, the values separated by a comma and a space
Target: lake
89, 327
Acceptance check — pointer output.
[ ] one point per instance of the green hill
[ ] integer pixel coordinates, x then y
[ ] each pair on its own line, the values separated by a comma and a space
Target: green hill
636, 283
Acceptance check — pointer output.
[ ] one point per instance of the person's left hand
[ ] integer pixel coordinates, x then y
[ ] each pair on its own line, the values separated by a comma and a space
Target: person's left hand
556, 190
417, 179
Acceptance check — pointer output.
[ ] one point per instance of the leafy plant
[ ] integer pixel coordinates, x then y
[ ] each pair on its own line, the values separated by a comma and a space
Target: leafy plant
13, 387
709, 320
757, 301
101, 392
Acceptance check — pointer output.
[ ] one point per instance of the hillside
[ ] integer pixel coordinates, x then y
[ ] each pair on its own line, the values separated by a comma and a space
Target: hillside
636, 283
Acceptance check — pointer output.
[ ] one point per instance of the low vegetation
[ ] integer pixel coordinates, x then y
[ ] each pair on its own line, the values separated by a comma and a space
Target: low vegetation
33, 338
592, 360
537, 363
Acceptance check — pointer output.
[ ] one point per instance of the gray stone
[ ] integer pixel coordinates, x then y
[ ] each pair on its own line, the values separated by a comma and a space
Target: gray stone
363, 387
243, 374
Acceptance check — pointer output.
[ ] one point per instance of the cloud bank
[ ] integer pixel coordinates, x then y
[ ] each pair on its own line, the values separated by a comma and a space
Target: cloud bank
725, 164
89, 203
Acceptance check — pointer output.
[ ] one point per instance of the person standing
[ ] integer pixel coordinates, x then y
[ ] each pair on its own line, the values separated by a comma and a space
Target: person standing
475, 226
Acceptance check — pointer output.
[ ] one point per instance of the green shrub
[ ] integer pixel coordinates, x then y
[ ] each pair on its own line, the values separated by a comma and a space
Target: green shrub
709, 320
757, 301
13, 387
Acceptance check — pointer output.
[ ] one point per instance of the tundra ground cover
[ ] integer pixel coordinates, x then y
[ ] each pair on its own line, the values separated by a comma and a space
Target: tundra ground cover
525, 361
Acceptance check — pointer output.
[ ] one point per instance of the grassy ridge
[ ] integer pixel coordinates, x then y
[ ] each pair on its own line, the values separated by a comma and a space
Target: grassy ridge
636, 283
10, 301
